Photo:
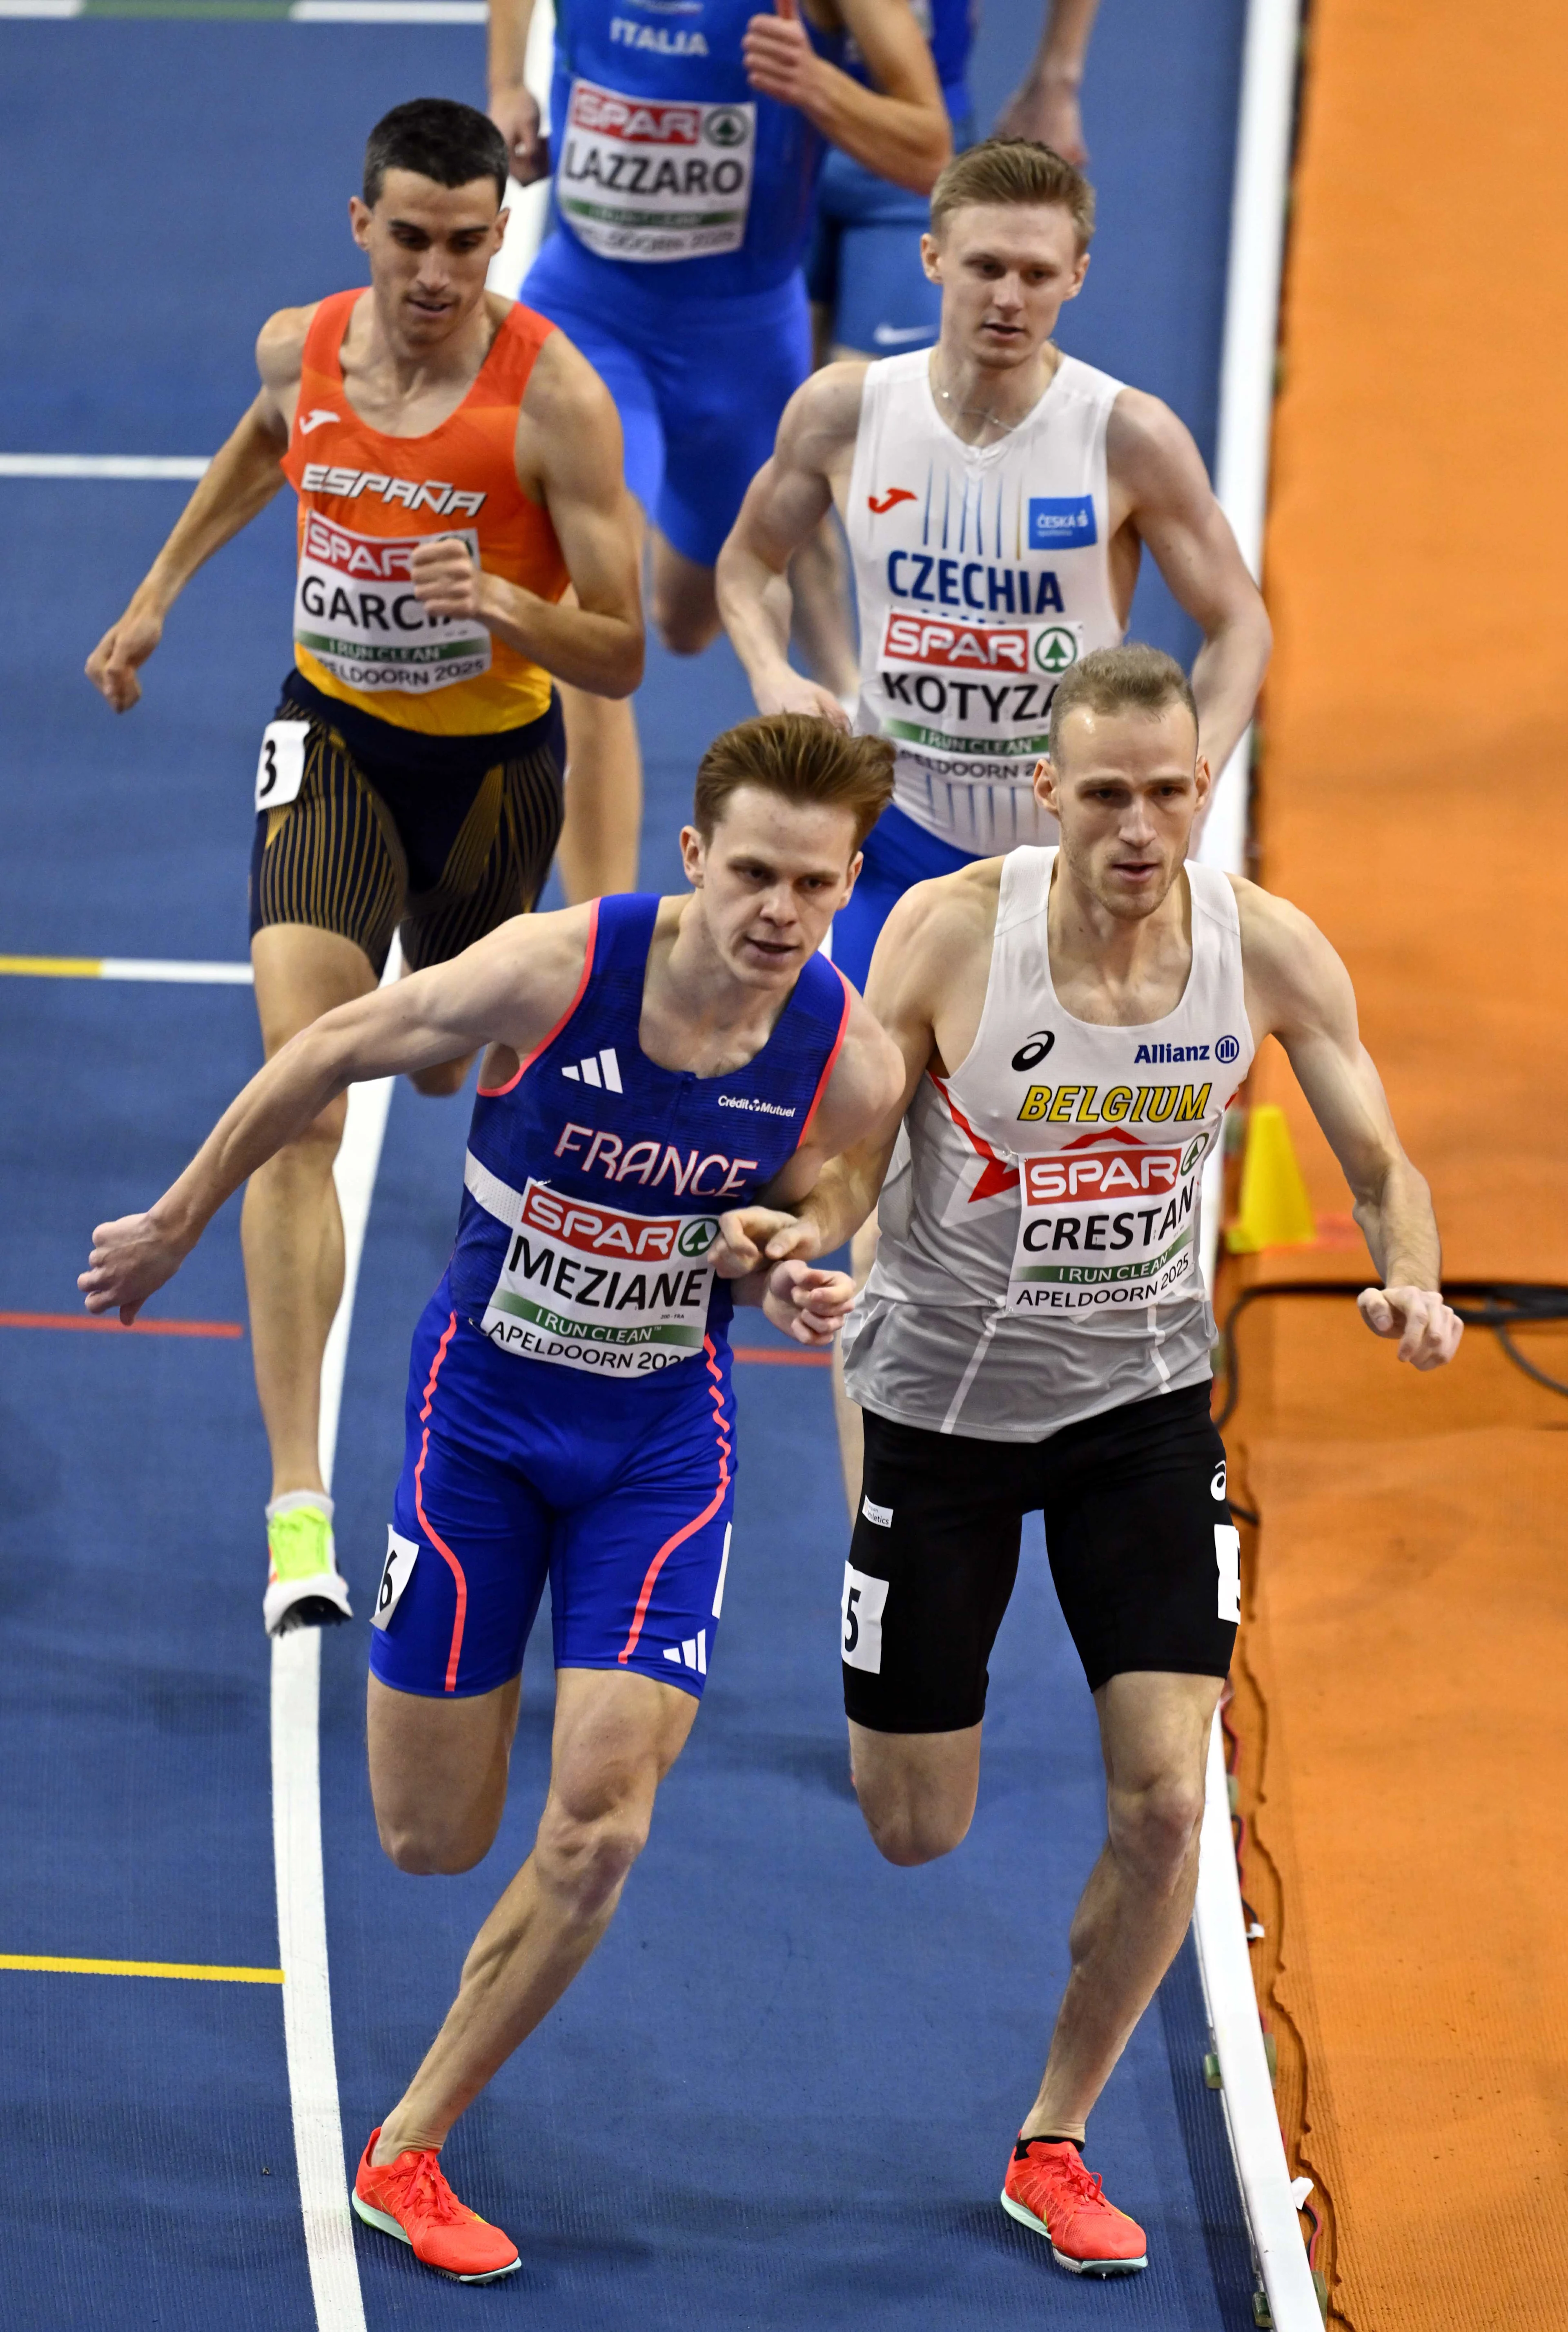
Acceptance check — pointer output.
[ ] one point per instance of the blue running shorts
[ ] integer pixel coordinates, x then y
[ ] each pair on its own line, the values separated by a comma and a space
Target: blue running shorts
864, 261
700, 384
897, 855
515, 1471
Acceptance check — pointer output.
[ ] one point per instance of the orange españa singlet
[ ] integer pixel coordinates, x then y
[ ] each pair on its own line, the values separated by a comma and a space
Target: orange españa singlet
367, 500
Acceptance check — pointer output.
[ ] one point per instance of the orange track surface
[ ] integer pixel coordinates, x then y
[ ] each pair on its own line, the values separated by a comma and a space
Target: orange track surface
1400, 1701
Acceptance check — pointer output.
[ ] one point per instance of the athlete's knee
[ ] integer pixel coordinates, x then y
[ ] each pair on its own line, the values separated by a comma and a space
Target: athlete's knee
427, 1847
686, 629
907, 1829
1154, 1826
584, 1851
443, 1079
313, 1150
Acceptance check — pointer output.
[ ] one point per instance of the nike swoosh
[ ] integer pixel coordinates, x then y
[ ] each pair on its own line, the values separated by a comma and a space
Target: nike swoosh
314, 420
894, 495
889, 336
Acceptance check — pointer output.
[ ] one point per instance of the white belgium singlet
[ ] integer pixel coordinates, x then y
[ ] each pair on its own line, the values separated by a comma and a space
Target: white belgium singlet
1040, 1260
981, 575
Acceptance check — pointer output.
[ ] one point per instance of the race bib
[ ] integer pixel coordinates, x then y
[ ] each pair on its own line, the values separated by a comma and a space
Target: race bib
356, 612
402, 1553
281, 763
1106, 1223
981, 692
637, 180
588, 1287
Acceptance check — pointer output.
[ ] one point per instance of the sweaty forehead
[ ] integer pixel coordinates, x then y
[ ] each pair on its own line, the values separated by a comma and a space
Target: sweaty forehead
1013, 230
410, 195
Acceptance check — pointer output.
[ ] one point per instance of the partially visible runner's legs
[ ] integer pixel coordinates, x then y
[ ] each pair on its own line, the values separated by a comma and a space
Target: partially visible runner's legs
292, 1233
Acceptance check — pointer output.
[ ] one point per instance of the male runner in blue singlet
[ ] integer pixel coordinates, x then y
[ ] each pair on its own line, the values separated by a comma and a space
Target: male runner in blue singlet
686, 136
653, 1063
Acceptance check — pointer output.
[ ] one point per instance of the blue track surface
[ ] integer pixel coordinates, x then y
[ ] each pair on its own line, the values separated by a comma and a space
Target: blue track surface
781, 2095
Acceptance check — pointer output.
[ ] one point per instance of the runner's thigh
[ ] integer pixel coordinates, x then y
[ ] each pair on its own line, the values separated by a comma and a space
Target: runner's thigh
930, 1571
1140, 1541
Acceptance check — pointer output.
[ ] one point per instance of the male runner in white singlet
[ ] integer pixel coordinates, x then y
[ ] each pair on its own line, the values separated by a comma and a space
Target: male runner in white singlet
1035, 1334
997, 496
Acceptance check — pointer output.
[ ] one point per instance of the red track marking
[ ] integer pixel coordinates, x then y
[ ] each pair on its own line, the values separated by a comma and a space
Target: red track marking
117, 1327
801, 1358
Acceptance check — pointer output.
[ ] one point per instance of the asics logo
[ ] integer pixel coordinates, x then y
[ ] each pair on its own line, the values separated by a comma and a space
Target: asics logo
601, 1069
893, 496
314, 419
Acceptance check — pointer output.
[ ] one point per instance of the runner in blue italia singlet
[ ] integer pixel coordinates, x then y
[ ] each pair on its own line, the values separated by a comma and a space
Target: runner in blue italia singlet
594, 1182
681, 206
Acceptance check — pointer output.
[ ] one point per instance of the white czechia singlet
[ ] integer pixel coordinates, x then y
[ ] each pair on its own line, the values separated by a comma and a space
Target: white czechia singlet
982, 577
1040, 1260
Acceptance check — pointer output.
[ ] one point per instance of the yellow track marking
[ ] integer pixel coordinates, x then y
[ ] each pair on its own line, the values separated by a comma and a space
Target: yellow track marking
53, 967
49, 1964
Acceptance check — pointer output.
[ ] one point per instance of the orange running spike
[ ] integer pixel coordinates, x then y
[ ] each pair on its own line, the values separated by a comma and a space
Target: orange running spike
408, 2198
1049, 2190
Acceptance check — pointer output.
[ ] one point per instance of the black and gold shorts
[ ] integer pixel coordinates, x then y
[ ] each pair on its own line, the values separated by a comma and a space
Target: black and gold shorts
443, 837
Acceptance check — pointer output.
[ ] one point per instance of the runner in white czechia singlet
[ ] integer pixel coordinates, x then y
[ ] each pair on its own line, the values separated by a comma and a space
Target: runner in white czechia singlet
998, 497
1035, 1336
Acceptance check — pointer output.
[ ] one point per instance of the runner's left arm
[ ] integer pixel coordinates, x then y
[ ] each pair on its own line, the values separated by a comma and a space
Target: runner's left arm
568, 457
900, 128
1155, 464
1299, 991
511, 988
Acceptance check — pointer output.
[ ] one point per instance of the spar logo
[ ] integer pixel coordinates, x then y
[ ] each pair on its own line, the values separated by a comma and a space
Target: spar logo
938, 645
635, 124
1108, 1167
956, 647
608, 1231
380, 558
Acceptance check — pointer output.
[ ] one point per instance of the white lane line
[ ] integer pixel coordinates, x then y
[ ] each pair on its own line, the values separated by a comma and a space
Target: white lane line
95, 465
297, 1801
390, 12
40, 7
198, 975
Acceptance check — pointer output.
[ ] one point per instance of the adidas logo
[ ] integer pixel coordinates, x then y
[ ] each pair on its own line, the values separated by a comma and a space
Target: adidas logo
604, 1071
692, 1654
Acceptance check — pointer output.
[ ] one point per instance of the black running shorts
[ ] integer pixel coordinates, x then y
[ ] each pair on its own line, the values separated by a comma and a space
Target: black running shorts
446, 836
1138, 1532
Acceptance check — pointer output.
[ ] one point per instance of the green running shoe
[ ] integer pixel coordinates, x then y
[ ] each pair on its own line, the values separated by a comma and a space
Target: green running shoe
305, 1587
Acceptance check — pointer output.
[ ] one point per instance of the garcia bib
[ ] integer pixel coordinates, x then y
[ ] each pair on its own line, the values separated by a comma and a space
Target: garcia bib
982, 577
367, 502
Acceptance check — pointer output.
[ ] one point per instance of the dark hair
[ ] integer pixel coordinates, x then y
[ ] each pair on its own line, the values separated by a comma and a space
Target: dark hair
801, 756
440, 139
1131, 678
1014, 170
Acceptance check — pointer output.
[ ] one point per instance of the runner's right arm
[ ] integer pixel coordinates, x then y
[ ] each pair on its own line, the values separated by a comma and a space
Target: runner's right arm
510, 989
922, 932
245, 474
785, 503
513, 107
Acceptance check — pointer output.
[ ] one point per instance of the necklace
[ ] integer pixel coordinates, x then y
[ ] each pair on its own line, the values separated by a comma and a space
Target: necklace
976, 412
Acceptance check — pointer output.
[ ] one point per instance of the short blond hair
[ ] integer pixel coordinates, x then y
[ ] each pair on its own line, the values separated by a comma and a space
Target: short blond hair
803, 758
1014, 170
1131, 678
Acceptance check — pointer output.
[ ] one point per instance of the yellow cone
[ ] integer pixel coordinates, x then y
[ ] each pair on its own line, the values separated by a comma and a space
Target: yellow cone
1276, 1210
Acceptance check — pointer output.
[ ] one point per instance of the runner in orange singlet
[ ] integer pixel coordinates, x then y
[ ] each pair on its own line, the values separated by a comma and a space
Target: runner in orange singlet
458, 465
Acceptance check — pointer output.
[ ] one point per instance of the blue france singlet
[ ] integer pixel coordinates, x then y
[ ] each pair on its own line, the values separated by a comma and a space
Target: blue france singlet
595, 1179
668, 165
